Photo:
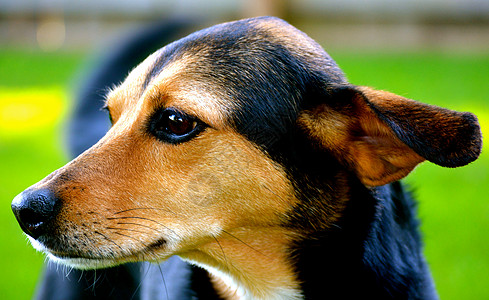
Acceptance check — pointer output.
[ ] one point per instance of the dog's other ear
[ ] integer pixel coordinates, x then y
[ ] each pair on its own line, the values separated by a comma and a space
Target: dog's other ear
382, 136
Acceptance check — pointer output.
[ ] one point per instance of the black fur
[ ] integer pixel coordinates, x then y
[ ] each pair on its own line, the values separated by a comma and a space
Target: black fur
374, 251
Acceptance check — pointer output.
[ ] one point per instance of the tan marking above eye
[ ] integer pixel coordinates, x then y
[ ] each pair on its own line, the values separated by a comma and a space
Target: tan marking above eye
193, 98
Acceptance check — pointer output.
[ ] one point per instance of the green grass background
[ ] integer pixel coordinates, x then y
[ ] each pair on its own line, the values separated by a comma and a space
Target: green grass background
453, 203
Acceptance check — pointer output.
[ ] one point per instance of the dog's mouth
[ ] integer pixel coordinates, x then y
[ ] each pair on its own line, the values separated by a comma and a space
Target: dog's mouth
84, 263
86, 258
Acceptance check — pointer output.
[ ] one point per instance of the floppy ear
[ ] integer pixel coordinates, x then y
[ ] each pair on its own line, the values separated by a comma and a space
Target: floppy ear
382, 136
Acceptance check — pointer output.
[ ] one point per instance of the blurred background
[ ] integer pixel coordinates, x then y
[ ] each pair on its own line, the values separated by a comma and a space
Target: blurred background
434, 51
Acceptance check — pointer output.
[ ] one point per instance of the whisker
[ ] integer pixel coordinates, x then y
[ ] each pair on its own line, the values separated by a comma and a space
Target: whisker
127, 229
271, 190
137, 224
143, 218
81, 276
140, 282
244, 243
222, 250
336, 226
128, 236
95, 280
139, 218
110, 240
68, 271
164, 281
153, 257
144, 208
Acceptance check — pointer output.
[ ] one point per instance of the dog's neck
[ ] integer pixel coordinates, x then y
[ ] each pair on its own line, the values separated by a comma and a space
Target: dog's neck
250, 263
264, 263
281, 263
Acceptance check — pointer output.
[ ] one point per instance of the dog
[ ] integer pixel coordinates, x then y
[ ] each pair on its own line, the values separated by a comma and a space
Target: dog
243, 150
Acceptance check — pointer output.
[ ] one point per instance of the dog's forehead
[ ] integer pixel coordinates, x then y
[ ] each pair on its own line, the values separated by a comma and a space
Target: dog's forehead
247, 72
240, 47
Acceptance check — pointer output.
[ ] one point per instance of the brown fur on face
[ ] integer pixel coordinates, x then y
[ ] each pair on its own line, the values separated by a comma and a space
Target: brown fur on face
167, 194
132, 197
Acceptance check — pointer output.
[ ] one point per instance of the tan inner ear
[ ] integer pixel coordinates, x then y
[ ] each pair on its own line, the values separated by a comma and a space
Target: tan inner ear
362, 141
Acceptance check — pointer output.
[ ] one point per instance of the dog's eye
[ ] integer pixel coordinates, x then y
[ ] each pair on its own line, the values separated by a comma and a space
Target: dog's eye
177, 123
173, 126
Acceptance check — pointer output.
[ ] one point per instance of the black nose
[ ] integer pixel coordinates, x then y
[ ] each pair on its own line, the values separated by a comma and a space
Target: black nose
33, 210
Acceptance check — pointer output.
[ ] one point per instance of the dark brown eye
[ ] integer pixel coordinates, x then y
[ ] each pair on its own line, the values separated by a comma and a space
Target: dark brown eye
173, 126
179, 124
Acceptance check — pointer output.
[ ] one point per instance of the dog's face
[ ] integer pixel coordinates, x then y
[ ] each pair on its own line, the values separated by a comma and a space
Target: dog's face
174, 172
225, 133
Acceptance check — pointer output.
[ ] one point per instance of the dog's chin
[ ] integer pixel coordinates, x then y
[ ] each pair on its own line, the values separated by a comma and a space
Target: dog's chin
83, 263
75, 262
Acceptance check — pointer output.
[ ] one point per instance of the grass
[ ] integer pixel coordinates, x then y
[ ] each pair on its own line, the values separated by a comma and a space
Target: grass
454, 206
33, 92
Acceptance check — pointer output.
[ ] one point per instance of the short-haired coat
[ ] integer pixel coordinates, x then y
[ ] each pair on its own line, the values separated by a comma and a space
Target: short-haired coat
243, 149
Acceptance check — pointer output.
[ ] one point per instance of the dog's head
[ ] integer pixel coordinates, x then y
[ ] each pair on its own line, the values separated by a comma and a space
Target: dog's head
226, 132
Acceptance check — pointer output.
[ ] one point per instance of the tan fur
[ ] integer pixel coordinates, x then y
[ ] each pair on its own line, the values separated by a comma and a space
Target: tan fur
256, 261
360, 139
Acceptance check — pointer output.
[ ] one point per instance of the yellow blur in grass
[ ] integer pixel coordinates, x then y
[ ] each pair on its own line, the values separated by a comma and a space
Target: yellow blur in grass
25, 111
